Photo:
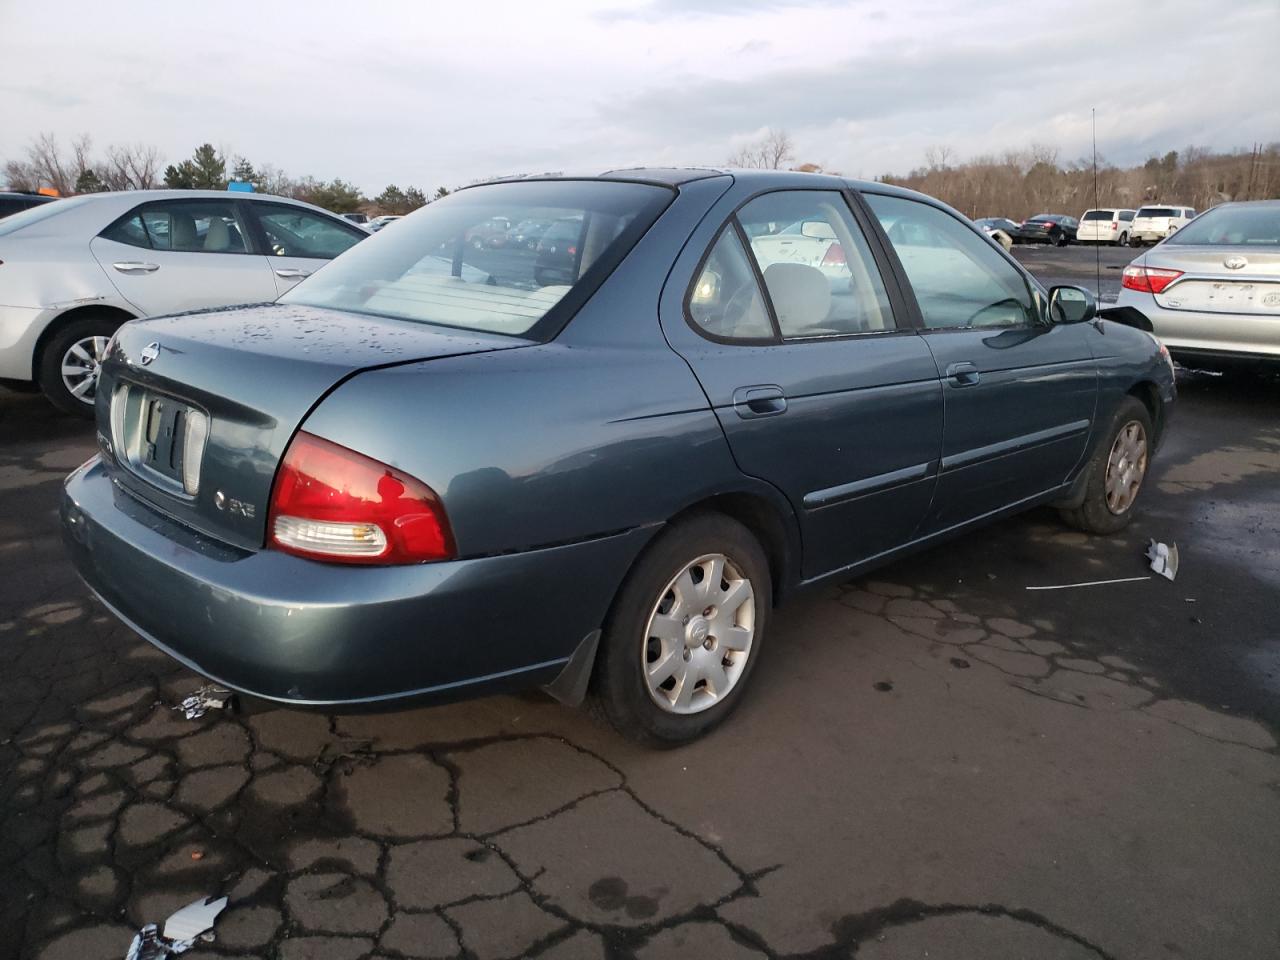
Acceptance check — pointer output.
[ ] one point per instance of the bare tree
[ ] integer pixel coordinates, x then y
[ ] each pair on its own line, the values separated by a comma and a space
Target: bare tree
133, 166
770, 152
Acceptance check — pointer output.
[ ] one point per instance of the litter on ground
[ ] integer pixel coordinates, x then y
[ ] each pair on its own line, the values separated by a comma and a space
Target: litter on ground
1164, 559
182, 930
209, 697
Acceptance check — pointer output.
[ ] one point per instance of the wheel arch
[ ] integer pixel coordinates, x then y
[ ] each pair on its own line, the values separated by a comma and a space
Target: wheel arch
1148, 394
88, 311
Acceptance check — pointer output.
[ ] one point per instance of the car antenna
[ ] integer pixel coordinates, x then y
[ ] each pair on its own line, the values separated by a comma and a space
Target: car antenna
1097, 247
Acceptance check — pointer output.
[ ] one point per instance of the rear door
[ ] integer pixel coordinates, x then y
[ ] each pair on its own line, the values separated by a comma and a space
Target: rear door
820, 386
1019, 393
172, 255
299, 241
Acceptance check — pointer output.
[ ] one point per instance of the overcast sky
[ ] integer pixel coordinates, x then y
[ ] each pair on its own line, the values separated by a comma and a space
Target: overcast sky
446, 93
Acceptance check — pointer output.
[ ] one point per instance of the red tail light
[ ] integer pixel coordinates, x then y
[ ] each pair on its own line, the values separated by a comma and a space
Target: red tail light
1148, 279
834, 257
331, 503
1114, 225
572, 251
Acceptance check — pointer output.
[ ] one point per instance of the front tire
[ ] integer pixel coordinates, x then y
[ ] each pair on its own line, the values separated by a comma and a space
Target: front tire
685, 633
1116, 472
68, 370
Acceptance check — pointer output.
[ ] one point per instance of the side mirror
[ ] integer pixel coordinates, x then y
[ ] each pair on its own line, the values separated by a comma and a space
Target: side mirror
1071, 305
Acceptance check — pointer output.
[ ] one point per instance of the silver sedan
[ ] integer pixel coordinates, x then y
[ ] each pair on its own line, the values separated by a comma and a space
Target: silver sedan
72, 271
1211, 291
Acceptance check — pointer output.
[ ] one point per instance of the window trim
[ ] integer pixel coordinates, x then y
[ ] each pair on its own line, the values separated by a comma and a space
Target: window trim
1039, 300
898, 306
260, 237
247, 233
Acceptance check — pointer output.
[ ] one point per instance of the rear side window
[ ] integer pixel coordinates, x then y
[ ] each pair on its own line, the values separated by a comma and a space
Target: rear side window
725, 302
1126, 215
453, 263
959, 279
298, 232
182, 226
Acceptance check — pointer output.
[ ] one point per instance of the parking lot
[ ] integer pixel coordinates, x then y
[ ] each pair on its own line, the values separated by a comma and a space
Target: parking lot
931, 757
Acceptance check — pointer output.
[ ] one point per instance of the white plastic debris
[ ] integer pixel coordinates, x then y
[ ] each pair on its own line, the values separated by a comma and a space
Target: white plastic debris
1164, 559
209, 697
183, 929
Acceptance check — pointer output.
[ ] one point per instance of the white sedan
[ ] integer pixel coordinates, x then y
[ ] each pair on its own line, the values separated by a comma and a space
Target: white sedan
73, 270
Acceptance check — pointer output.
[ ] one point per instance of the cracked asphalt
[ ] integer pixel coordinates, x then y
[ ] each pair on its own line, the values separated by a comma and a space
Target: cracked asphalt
933, 762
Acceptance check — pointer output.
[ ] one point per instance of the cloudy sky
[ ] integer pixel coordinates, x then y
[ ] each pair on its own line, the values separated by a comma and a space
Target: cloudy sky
445, 93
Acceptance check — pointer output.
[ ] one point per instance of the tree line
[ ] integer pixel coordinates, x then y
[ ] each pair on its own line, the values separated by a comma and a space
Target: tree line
77, 169
1022, 183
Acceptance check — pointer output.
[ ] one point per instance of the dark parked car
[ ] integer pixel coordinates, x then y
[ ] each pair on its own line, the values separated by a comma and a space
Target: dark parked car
1047, 228
11, 203
601, 483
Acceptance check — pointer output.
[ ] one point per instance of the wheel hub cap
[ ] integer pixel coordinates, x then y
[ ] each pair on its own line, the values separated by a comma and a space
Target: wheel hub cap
699, 636
81, 365
1126, 467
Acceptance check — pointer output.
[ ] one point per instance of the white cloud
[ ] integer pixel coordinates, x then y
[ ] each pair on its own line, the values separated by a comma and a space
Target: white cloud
443, 94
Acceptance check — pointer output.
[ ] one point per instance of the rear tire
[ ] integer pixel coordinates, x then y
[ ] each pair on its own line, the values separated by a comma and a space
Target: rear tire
1117, 472
68, 365
1062, 240
666, 618
1123, 241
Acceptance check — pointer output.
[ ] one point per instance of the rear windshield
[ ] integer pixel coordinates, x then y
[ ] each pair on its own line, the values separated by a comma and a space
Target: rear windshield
1099, 215
1244, 225
462, 261
1157, 212
35, 214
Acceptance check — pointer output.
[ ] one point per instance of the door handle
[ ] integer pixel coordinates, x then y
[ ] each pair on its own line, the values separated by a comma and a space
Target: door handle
134, 266
290, 273
764, 400
963, 374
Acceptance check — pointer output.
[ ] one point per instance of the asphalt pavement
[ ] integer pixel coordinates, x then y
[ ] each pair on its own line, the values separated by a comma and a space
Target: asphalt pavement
935, 761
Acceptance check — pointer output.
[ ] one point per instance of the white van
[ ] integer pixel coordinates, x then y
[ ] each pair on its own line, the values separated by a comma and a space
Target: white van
1107, 225
1154, 223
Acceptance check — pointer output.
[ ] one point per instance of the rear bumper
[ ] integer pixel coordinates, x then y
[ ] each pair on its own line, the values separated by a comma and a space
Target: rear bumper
312, 634
1190, 333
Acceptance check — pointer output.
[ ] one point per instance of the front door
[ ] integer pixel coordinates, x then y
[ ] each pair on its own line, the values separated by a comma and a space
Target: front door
1019, 392
819, 388
299, 241
172, 255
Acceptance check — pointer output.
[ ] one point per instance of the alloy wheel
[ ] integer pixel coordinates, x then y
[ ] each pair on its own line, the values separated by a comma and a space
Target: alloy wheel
699, 635
80, 366
1126, 467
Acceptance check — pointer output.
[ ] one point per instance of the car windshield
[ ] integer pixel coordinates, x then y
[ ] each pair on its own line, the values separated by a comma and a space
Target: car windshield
447, 264
1245, 225
1157, 212
1098, 215
35, 214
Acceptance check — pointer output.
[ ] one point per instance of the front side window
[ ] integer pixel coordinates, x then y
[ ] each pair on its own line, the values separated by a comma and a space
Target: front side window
819, 272
449, 263
183, 226
960, 281
297, 232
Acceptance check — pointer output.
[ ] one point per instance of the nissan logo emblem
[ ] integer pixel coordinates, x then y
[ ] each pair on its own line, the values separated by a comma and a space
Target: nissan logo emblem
150, 352
1235, 263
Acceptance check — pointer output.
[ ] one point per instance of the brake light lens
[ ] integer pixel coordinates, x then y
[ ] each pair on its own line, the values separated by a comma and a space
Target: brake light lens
331, 503
834, 257
1147, 279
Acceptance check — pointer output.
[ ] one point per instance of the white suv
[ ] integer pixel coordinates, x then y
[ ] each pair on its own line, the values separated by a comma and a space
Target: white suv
1107, 225
1153, 224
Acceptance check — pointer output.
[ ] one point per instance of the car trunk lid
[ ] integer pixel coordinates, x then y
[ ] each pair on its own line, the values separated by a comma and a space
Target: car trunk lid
1220, 279
214, 397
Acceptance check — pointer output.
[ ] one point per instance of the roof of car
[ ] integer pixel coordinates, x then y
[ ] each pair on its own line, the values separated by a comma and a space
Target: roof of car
677, 176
